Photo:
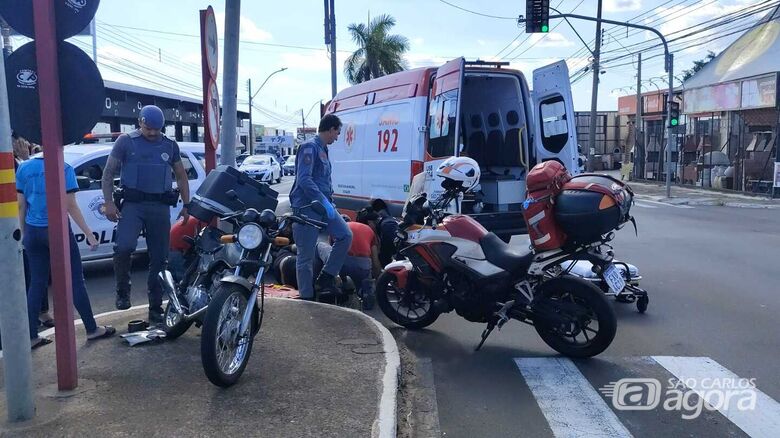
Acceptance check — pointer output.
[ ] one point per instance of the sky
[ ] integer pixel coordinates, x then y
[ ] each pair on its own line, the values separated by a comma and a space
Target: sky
155, 43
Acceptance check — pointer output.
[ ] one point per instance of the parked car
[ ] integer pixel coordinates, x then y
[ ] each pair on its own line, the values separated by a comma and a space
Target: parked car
89, 161
288, 168
240, 159
264, 168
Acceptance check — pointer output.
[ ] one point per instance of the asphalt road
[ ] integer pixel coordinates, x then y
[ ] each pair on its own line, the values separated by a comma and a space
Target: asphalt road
713, 285
713, 294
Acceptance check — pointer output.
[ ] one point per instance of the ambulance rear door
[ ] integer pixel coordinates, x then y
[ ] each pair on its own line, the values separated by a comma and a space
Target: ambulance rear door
555, 135
443, 138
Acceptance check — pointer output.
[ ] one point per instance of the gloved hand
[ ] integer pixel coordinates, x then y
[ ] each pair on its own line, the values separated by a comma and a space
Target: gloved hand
330, 208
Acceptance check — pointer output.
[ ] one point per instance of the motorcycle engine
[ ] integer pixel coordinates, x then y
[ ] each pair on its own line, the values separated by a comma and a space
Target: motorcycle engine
197, 297
472, 302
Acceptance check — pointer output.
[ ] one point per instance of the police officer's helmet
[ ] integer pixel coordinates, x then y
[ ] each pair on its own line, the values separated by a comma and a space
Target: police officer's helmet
152, 116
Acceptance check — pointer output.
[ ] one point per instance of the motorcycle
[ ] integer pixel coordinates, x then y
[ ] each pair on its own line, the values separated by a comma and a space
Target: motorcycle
235, 313
205, 263
451, 262
625, 291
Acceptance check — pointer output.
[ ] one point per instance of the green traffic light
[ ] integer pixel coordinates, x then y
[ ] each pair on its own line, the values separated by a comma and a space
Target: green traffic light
545, 28
675, 122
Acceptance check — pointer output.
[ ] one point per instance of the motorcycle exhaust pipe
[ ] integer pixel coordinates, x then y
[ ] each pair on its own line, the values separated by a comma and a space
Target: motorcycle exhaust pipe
197, 314
166, 280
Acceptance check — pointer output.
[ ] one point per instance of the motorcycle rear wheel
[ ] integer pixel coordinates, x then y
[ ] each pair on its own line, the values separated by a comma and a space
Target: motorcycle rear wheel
224, 354
174, 323
581, 304
393, 299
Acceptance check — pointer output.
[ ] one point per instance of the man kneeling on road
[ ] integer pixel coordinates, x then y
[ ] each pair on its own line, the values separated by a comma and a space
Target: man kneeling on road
145, 158
313, 183
362, 264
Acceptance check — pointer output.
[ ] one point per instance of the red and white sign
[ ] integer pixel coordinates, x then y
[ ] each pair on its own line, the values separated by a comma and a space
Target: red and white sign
211, 42
212, 113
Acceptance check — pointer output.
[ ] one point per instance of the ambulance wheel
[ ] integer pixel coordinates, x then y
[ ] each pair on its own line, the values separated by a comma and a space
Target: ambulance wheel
641, 304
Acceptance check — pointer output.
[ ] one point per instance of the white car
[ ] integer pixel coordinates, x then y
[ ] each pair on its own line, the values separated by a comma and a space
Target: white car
264, 168
89, 161
288, 168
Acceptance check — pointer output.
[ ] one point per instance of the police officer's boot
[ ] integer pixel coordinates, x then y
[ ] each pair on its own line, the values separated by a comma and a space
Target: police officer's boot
156, 316
325, 287
122, 300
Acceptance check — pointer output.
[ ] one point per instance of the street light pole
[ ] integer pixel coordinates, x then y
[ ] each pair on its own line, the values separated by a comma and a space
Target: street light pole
251, 97
595, 92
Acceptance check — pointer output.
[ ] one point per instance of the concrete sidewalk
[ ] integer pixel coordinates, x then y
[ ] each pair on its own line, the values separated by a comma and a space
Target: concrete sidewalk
686, 195
316, 370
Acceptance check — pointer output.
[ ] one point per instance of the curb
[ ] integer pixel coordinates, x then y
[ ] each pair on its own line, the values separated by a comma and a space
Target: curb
385, 424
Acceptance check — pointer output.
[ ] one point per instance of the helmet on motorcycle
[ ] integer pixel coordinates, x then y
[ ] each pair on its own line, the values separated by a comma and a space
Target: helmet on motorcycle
461, 173
267, 218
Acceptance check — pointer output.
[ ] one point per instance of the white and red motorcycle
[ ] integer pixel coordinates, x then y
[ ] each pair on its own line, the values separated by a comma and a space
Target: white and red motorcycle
451, 262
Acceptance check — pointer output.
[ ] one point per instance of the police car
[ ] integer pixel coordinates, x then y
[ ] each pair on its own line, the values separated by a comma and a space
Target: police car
89, 161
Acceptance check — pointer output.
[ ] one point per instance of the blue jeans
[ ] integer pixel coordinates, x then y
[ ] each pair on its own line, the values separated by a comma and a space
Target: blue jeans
305, 237
357, 268
36, 243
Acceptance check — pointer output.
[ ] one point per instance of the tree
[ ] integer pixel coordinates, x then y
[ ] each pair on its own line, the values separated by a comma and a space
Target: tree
698, 65
378, 53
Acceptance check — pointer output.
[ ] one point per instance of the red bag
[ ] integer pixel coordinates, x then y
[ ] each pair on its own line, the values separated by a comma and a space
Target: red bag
546, 178
544, 182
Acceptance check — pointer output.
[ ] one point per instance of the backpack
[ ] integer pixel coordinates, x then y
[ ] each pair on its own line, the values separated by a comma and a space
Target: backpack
544, 182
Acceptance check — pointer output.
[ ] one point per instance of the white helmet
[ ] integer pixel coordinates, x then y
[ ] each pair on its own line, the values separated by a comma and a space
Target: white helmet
460, 173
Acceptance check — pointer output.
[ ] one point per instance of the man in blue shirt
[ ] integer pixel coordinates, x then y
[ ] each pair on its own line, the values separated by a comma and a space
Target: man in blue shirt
313, 183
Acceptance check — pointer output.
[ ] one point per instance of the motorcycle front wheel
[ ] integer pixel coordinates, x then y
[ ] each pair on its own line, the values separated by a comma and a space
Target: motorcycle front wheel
224, 353
174, 323
573, 317
408, 308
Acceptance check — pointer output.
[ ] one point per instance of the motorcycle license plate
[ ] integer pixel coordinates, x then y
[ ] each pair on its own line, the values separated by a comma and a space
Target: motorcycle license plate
614, 278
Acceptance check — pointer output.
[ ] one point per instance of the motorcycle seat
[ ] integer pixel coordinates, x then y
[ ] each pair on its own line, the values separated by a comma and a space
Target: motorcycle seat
502, 255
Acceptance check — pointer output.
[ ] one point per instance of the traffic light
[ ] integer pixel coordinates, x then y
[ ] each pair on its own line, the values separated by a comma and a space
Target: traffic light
674, 112
537, 15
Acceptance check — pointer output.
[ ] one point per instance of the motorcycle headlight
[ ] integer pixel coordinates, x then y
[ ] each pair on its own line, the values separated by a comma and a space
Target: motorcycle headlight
250, 236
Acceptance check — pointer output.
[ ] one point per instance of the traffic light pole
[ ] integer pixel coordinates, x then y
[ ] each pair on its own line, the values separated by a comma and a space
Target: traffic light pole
668, 67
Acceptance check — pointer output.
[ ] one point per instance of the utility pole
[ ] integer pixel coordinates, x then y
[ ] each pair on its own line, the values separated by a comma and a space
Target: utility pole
638, 170
670, 130
93, 31
251, 128
330, 40
5, 30
14, 328
595, 92
303, 126
230, 82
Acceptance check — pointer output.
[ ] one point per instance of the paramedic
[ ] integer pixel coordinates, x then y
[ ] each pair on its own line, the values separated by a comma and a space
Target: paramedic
145, 158
313, 183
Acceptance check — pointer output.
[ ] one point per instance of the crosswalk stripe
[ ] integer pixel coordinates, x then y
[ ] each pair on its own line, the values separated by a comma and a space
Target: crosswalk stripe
570, 404
762, 421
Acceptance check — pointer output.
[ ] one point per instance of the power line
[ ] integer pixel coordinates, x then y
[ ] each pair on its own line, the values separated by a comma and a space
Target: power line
545, 35
286, 46
477, 13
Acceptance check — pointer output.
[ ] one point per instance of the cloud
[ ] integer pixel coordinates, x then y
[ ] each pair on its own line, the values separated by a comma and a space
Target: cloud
676, 19
550, 40
482, 42
416, 60
248, 29
418, 41
622, 5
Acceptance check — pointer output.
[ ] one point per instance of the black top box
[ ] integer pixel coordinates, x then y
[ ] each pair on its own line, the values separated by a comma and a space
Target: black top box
214, 197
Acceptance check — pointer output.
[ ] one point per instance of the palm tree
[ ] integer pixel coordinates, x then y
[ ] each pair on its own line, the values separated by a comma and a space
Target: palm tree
378, 53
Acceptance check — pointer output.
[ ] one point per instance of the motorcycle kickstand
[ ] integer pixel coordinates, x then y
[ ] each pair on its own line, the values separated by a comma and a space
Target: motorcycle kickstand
485, 333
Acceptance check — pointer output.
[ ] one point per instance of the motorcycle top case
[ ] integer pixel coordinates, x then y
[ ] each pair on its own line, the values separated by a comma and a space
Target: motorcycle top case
544, 182
212, 199
592, 205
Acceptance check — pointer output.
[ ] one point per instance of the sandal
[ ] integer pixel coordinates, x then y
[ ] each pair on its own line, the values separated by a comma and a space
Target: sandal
108, 331
39, 342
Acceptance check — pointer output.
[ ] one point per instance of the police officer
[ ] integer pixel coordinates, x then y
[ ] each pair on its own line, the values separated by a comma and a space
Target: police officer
145, 158
313, 183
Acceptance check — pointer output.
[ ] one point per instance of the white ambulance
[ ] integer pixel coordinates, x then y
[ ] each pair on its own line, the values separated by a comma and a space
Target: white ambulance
400, 125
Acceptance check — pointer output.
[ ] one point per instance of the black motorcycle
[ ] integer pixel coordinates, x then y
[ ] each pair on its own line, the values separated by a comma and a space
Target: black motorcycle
235, 313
